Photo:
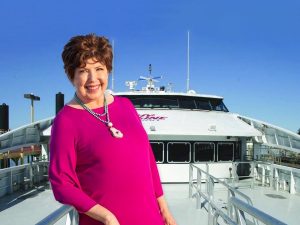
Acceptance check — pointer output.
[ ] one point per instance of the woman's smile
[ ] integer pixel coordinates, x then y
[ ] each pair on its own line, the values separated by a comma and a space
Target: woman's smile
92, 88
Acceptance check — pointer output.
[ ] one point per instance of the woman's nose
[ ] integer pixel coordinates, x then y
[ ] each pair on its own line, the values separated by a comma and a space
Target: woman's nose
92, 75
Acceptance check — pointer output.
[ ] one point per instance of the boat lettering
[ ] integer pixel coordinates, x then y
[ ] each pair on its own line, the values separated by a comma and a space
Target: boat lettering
151, 117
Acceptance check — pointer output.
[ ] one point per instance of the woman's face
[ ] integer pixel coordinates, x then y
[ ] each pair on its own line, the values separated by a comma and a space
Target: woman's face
90, 82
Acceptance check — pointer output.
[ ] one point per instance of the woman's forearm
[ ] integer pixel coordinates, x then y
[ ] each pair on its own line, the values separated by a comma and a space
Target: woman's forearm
162, 204
103, 215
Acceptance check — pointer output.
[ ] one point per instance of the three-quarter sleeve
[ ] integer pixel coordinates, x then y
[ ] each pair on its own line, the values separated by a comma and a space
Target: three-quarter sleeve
62, 169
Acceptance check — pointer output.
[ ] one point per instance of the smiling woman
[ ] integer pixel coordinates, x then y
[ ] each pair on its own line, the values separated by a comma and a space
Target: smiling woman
109, 176
87, 62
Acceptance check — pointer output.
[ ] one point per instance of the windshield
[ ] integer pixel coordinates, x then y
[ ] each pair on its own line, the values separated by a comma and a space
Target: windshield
178, 102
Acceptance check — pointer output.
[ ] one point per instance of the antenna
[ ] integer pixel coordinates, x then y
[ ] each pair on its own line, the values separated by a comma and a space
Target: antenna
150, 69
150, 80
188, 63
113, 66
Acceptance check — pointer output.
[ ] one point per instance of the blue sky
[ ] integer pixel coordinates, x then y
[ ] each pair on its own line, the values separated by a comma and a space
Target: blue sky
246, 51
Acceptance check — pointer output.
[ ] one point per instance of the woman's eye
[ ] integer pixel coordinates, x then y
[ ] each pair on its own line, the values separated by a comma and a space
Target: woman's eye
99, 69
82, 71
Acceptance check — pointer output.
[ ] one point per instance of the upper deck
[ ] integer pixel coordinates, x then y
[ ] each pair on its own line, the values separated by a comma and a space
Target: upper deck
153, 97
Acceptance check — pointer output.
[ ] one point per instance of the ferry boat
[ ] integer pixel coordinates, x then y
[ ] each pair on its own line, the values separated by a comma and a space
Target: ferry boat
195, 140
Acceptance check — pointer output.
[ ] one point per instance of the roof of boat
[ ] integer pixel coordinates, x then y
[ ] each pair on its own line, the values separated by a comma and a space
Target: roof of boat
164, 93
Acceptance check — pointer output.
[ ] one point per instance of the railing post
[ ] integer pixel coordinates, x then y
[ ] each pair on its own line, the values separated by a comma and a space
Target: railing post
198, 189
207, 168
211, 199
207, 177
256, 175
231, 209
241, 219
198, 201
199, 179
215, 219
292, 184
276, 176
38, 173
271, 176
252, 174
31, 174
284, 184
11, 182
190, 181
71, 218
234, 174
263, 172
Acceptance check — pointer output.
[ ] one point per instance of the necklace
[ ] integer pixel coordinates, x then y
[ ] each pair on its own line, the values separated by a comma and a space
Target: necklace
114, 132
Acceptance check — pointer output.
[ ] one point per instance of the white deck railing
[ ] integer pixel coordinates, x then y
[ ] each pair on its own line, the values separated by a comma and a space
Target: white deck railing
202, 187
236, 208
22, 177
278, 177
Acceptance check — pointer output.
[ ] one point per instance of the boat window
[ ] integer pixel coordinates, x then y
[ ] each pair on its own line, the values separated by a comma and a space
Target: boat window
179, 152
204, 152
146, 102
271, 138
177, 102
283, 140
225, 151
158, 151
218, 105
295, 143
204, 104
187, 104
237, 151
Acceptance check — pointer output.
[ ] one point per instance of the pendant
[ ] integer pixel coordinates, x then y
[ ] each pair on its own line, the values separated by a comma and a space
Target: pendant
115, 132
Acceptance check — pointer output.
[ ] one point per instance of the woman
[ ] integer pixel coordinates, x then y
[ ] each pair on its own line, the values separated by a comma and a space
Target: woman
101, 161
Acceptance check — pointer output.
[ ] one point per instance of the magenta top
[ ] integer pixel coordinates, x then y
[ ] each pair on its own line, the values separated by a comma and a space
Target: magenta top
89, 166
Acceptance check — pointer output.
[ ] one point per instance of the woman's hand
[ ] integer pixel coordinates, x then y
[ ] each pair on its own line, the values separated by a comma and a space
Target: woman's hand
103, 215
165, 212
168, 218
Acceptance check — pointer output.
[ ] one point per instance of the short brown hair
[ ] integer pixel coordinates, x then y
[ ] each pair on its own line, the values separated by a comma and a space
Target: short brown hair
83, 47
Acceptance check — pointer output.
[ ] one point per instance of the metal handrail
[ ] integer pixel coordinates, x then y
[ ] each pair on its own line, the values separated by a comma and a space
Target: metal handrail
218, 212
55, 216
232, 189
20, 167
213, 210
14, 168
279, 166
241, 207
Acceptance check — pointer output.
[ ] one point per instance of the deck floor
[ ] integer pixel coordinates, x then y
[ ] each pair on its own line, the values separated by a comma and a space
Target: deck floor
30, 207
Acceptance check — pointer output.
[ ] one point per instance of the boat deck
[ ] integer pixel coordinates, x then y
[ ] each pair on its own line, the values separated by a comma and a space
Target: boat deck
32, 206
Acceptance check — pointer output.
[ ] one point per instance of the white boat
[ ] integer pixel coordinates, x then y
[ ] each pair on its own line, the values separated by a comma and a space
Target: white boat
195, 140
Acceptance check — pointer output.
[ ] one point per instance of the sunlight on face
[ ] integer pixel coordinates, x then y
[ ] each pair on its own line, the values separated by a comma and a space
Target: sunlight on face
90, 82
